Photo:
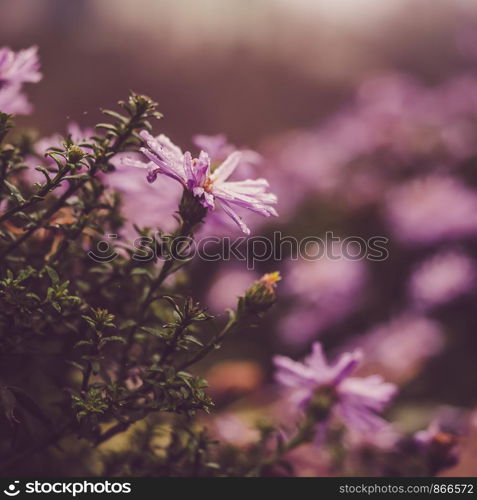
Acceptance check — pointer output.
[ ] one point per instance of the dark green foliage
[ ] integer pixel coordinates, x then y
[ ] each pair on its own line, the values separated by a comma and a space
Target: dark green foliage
88, 349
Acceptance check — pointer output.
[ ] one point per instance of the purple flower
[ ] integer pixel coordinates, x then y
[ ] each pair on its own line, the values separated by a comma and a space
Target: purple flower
233, 429
228, 286
322, 292
16, 69
196, 176
399, 347
441, 279
431, 209
20, 67
14, 101
357, 401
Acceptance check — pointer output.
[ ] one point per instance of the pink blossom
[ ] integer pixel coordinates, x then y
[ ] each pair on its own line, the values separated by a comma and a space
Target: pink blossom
195, 175
356, 401
430, 209
400, 346
230, 283
442, 278
17, 68
323, 291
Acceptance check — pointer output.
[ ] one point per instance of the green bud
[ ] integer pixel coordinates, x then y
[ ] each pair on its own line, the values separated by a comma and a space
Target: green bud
262, 294
75, 154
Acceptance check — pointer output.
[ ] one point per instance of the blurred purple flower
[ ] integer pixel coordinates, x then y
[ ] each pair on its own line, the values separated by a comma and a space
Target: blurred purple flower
356, 401
392, 116
41, 147
399, 347
17, 68
431, 209
230, 283
136, 194
384, 438
234, 430
442, 278
13, 101
195, 175
323, 292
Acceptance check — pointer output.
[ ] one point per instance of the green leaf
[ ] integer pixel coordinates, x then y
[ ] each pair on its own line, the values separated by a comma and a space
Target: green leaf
140, 270
14, 192
29, 404
83, 343
53, 275
157, 332
8, 404
113, 338
193, 340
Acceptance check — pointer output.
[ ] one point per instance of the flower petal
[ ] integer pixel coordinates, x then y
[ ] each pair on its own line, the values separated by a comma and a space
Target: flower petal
235, 217
225, 170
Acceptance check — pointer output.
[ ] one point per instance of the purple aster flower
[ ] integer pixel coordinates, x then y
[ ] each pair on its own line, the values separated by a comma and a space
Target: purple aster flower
400, 346
441, 279
431, 209
233, 429
356, 401
19, 67
196, 176
14, 101
16, 69
322, 292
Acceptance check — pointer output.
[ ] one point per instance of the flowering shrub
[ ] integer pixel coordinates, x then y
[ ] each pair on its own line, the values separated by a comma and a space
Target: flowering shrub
97, 351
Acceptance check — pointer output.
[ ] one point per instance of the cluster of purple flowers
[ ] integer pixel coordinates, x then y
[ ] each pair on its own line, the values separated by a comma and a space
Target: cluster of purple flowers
17, 68
428, 208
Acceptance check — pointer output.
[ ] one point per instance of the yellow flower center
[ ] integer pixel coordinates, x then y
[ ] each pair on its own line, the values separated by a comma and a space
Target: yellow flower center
270, 280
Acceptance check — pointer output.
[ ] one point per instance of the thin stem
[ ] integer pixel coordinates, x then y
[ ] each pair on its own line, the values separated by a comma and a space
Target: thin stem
38, 196
110, 150
184, 230
231, 325
303, 435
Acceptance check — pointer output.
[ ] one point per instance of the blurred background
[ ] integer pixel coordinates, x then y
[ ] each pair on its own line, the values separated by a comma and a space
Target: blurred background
246, 68
365, 113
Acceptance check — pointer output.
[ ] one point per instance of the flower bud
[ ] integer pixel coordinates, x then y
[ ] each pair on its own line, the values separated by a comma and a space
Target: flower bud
262, 294
75, 154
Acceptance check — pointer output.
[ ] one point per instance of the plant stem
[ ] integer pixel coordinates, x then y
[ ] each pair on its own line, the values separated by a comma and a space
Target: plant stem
184, 230
304, 434
231, 325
